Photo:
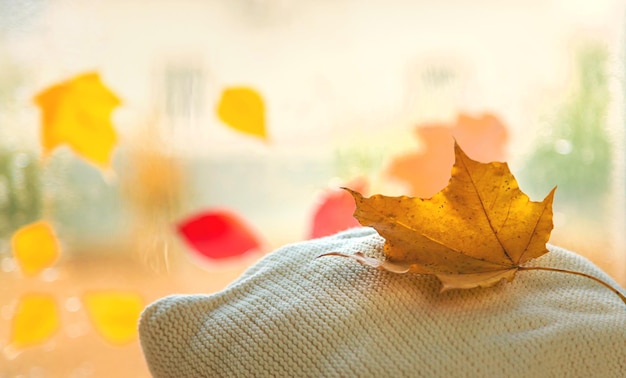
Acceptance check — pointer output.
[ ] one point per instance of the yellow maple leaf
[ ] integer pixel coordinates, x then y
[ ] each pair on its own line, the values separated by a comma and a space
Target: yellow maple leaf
35, 247
477, 231
77, 113
36, 319
242, 109
114, 314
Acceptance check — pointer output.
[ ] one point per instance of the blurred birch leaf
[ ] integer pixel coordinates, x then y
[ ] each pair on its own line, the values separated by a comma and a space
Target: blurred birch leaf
35, 247
36, 319
114, 314
242, 109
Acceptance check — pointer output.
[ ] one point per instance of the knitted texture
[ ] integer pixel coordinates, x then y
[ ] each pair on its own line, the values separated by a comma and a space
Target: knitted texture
292, 315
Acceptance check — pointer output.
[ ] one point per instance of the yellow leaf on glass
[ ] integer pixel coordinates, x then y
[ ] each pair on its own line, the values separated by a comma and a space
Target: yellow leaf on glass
242, 109
77, 113
35, 320
35, 247
114, 314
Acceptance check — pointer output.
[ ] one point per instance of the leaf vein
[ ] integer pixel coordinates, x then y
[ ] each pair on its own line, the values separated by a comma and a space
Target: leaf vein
482, 206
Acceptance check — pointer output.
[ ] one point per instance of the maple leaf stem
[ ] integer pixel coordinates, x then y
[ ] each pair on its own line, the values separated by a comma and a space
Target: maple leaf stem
616, 291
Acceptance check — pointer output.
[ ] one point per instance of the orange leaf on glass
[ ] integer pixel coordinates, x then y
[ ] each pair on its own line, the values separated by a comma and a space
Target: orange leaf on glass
35, 247
114, 314
77, 113
427, 171
482, 138
334, 211
218, 234
242, 109
35, 321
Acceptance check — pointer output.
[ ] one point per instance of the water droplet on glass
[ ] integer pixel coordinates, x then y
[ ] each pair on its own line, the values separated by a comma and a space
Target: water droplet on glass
21, 160
6, 312
76, 330
49, 346
7, 264
10, 352
563, 146
73, 304
85, 369
37, 372
50, 275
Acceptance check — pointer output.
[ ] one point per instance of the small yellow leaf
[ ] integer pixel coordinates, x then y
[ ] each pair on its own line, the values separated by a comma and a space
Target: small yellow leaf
35, 320
242, 109
114, 314
77, 113
35, 247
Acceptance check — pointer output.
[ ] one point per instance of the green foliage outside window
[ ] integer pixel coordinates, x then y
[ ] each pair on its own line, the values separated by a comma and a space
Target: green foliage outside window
576, 153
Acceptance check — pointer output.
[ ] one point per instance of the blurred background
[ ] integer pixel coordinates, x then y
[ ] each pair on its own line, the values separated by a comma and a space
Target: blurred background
345, 92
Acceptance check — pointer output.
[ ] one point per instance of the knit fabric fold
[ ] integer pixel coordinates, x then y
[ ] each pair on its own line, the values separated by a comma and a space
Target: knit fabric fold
295, 315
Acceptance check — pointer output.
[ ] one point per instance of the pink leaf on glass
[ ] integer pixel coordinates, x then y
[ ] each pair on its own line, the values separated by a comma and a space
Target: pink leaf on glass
334, 210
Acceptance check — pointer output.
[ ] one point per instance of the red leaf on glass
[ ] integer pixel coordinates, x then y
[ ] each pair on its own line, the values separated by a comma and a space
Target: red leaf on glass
218, 234
334, 211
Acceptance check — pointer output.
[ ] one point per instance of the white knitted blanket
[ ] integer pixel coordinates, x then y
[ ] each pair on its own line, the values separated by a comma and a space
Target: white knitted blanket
292, 315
